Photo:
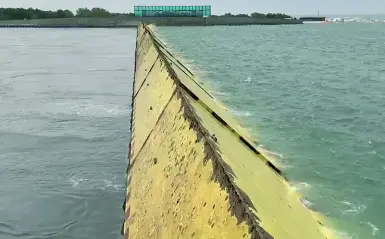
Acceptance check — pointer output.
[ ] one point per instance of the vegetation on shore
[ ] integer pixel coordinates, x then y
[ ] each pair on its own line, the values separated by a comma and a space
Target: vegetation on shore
30, 13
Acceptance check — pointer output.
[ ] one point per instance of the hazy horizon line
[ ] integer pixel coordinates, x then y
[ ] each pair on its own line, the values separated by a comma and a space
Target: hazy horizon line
213, 12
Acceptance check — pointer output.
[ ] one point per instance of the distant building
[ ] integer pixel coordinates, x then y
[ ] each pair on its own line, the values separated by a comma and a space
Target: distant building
172, 11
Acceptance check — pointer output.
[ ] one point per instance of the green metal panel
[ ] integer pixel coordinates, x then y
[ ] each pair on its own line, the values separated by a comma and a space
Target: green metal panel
169, 11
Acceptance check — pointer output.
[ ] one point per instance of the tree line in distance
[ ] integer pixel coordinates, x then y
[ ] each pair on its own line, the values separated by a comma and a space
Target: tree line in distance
30, 13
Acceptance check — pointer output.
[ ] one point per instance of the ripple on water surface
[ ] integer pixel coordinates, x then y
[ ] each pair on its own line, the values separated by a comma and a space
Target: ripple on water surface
313, 93
64, 131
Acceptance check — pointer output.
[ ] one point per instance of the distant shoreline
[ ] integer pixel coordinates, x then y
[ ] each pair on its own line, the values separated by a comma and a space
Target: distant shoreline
132, 22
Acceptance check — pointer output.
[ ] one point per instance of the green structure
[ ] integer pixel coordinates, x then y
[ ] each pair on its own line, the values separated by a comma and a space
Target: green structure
172, 11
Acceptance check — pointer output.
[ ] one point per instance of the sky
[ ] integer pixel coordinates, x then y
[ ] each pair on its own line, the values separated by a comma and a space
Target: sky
294, 7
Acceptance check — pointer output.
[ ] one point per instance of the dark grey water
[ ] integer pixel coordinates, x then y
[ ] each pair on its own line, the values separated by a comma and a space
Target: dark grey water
64, 131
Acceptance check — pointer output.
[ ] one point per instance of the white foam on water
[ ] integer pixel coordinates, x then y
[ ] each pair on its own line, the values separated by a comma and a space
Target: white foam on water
220, 93
248, 79
98, 110
272, 153
353, 208
276, 158
242, 113
75, 181
103, 184
353, 20
301, 186
347, 203
373, 152
342, 235
306, 203
374, 229
269, 154
117, 110
111, 184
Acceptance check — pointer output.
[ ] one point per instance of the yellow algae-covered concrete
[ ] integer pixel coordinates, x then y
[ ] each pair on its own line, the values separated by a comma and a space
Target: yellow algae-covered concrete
193, 171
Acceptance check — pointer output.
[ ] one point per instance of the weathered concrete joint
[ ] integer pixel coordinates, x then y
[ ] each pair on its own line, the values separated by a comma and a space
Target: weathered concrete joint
193, 171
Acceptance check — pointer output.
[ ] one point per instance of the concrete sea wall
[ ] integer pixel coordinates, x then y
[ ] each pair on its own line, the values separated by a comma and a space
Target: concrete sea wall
135, 21
193, 171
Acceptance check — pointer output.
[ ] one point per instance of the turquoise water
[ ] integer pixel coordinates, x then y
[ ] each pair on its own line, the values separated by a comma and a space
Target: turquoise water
313, 95
64, 132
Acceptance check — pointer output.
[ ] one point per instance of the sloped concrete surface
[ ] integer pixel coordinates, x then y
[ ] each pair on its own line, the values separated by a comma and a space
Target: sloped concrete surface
193, 171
